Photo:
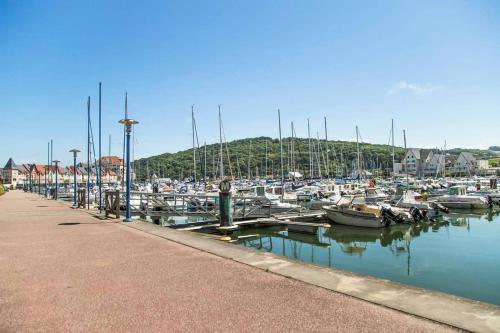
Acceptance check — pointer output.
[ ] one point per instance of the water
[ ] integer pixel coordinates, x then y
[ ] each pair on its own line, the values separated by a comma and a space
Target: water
459, 254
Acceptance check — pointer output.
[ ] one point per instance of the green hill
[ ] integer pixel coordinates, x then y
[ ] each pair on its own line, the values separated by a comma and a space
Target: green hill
342, 156
480, 154
494, 162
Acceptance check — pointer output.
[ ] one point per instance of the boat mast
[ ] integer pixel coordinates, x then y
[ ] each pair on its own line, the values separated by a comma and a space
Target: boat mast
47, 170
281, 158
406, 163
292, 166
342, 160
249, 157
444, 169
51, 158
289, 157
100, 157
214, 172
194, 150
238, 166
205, 163
393, 155
88, 153
265, 174
134, 169
359, 157
310, 151
220, 142
318, 155
327, 152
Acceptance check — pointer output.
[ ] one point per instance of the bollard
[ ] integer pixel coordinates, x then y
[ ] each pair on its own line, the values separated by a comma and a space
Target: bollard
225, 207
225, 210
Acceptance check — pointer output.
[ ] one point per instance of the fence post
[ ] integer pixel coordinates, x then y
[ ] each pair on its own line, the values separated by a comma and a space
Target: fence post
117, 204
269, 202
106, 204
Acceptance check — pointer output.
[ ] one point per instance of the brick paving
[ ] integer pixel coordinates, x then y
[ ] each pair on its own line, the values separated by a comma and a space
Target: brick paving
98, 276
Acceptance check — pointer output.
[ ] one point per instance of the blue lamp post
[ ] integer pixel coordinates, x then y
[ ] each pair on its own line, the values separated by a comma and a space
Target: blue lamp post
75, 186
46, 170
30, 188
56, 162
128, 129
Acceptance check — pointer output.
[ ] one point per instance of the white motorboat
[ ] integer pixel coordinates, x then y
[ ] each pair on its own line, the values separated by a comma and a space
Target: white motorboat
432, 209
457, 198
375, 194
318, 202
354, 211
307, 193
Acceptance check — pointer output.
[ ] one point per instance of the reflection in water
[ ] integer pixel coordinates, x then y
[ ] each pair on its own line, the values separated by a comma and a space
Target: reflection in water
354, 240
436, 255
174, 220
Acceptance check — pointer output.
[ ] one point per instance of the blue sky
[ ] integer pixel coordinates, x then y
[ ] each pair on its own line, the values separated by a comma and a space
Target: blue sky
433, 66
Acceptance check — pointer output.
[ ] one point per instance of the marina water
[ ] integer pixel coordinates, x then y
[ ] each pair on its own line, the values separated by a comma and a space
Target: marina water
459, 254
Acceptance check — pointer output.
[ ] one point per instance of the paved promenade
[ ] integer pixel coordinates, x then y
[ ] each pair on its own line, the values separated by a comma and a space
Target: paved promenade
101, 276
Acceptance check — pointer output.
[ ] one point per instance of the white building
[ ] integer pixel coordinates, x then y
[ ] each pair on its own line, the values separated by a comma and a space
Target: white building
482, 164
465, 163
422, 162
12, 174
397, 168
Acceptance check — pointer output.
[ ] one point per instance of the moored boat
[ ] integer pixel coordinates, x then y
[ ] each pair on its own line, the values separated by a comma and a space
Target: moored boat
353, 211
459, 199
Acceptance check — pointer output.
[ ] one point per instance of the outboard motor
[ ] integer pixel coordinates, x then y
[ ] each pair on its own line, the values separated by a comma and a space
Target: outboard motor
389, 216
489, 199
417, 214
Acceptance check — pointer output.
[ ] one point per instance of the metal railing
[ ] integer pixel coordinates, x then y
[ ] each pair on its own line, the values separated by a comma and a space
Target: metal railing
156, 205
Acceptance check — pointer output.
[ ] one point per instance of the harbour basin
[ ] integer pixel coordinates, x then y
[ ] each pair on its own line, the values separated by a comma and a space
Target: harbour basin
458, 254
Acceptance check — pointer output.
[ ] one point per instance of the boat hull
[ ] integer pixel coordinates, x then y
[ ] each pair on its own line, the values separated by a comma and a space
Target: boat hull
355, 220
463, 205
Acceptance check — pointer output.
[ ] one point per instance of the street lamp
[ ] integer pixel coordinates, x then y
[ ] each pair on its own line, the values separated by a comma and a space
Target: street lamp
31, 167
128, 128
39, 182
75, 186
46, 168
56, 162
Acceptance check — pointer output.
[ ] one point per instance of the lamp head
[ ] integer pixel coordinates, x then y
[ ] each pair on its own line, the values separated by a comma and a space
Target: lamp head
128, 121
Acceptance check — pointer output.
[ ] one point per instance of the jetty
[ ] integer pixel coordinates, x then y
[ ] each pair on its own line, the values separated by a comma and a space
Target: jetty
66, 269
